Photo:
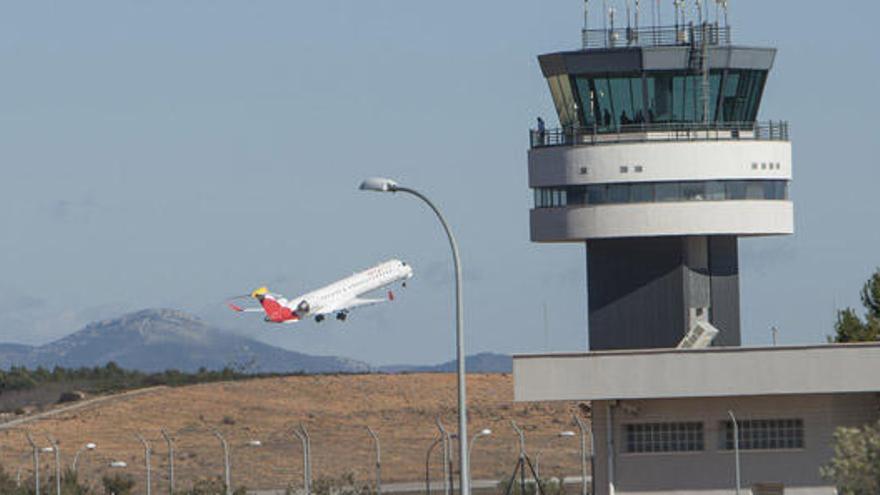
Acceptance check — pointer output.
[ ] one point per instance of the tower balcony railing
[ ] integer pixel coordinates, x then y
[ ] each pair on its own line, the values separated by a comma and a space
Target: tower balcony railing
681, 35
774, 130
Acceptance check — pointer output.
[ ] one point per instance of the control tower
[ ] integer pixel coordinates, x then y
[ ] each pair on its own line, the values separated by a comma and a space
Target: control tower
659, 166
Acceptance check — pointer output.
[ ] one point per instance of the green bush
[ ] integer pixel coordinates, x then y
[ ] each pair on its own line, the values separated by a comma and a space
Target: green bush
118, 484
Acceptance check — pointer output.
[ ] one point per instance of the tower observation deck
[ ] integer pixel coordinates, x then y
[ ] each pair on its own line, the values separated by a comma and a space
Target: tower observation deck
659, 166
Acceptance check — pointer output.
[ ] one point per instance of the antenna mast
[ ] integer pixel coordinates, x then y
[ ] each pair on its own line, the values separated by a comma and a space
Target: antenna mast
585, 32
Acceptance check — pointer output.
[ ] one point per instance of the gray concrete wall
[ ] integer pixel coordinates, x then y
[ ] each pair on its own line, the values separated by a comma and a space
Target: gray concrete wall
714, 372
641, 291
711, 472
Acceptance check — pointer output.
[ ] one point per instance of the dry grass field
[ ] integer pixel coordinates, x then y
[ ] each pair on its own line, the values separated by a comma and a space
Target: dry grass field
335, 409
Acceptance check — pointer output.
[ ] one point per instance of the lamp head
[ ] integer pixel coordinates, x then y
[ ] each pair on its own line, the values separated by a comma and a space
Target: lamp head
255, 443
487, 431
567, 433
118, 464
378, 184
91, 446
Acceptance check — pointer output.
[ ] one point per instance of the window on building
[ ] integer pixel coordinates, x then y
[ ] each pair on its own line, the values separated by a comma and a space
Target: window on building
764, 434
664, 437
649, 192
668, 191
642, 193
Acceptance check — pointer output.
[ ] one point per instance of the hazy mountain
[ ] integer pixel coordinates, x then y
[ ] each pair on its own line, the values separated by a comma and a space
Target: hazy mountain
160, 339
485, 362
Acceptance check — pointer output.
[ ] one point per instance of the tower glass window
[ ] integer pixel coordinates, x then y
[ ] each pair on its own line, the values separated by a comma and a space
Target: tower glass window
649, 192
613, 102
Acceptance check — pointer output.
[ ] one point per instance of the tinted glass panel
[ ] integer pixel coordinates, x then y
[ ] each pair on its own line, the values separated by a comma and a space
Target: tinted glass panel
736, 189
596, 195
668, 191
660, 98
715, 190
604, 109
646, 192
621, 101
618, 193
693, 191
642, 193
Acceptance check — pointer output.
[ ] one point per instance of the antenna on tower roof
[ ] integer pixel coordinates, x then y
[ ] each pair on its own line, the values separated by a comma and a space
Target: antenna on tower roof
726, 9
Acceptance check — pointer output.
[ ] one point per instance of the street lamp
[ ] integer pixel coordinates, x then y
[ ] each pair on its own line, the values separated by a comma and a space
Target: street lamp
226, 466
170, 443
88, 446
482, 433
583, 429
736, 449
57, 452
148, 451
36, 450
428, 464
378, 460
306, 463
561, 434
447, 457
379, 184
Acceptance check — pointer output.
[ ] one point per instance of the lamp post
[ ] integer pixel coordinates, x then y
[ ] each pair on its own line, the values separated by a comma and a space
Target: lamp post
447, 474
226, 467
57, 452
482, 433
735, 449
148, 451
387, 185
88, 446
378, 460
583, 429
170, 443
561, 434
306, 462
428, 464
36, 450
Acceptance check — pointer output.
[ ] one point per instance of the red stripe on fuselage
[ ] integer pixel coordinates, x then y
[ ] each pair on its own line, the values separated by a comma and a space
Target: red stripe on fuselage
277, 313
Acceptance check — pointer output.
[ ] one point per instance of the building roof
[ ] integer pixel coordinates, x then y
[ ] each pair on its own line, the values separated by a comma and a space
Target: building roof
641, 59
714, 372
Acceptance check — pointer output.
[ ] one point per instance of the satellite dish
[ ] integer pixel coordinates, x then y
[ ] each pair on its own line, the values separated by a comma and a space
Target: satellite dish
700, 336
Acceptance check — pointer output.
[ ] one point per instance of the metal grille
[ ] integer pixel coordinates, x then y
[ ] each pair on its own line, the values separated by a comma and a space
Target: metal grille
664, 437
765, 434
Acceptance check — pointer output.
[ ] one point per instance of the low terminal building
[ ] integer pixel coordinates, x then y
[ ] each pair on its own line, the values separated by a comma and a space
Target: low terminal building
663, 420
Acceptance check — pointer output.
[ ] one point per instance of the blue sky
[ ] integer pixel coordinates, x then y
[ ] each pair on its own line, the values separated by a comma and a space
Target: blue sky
175, 153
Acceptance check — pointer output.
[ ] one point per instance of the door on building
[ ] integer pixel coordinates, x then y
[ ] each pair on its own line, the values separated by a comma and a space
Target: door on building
768, 489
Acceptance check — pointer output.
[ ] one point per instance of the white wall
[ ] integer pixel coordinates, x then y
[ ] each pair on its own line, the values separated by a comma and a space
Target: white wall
748, 217
711, 472
665, 161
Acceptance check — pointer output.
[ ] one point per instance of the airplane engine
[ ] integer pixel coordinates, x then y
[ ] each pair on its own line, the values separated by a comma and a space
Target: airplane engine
303, 307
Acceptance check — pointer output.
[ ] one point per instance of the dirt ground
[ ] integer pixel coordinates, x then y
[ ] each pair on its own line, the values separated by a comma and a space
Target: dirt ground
401, 408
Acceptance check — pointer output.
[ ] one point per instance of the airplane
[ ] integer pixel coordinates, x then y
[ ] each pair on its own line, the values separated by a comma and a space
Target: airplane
339, 297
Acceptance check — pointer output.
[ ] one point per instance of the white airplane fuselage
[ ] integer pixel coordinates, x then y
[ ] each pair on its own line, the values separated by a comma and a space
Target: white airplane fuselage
333, 297
338, 297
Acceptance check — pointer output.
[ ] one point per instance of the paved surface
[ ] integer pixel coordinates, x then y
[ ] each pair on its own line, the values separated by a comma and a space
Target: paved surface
436, 485
77, 406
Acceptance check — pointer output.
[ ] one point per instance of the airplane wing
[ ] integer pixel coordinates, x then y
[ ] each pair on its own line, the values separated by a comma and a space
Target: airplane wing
356, 302
239, 309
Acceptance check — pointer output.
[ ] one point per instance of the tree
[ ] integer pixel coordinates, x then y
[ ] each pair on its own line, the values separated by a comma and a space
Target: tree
118, 484
855, 467
850, 328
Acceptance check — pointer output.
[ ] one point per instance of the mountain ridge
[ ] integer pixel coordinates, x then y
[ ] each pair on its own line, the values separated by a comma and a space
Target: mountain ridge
159, 339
